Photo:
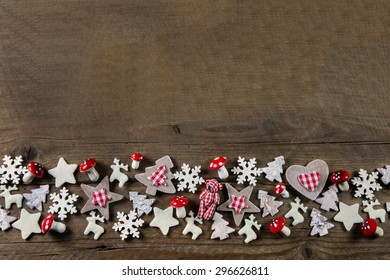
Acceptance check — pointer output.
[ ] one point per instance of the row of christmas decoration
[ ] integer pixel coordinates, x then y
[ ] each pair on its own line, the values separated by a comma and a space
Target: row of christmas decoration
307, 180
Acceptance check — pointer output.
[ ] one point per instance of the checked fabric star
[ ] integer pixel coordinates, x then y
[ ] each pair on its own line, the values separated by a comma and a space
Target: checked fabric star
246, 193
100, 198
238, 203
90, 190
156, 178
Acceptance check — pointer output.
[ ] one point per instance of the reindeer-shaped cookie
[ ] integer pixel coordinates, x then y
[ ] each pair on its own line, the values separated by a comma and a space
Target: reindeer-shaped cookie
374, 213
191, 227
11, 198
294, 213
93, 227
117, 174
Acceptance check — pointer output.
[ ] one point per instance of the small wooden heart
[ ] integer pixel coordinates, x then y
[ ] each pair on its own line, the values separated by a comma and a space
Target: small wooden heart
294, 171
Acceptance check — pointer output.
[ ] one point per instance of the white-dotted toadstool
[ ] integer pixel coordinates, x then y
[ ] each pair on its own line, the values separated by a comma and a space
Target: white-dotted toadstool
281, 189
278, 225
179, 203
137, 158
340, 178
49, 224
35, 170
88, 166
219, 164
369, 228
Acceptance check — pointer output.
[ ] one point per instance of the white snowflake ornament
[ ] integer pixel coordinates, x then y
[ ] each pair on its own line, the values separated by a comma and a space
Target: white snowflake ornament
12, 170
220, 227
374, 213
366, 184
189, 178
141, 203
319, 223
63, 203
247, 229
246, 171
385, 172
274, 170
37, 197
128, 224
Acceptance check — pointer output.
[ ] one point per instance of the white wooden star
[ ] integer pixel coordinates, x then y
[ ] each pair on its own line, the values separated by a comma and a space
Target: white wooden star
63, 173
348, 215
163, 219
28, 223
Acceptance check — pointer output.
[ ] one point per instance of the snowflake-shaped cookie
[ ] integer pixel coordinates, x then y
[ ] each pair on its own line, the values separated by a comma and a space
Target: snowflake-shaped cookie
11, 170
189, 178
366, 184
385, 172
128, 224
63, 203
246, 171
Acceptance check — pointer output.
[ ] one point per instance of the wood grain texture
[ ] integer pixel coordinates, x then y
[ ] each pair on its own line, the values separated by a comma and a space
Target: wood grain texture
195, 79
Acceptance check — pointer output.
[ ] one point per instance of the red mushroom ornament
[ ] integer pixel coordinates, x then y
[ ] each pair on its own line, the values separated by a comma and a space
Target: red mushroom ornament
179, 203
137, 158
49, 224
88, 166
369, 227
218, 164
35, 170
281, 189
278, 225
340, 178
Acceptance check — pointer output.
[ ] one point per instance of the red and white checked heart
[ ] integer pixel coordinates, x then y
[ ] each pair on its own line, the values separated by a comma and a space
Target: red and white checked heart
238, 203
159, 177
310, 181
100, 197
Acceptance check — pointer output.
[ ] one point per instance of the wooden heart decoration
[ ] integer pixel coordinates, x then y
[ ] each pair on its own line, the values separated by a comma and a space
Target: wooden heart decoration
317, 165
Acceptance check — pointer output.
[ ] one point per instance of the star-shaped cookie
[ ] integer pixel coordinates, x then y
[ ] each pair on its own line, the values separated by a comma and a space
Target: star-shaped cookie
348, 215
148, 178
238, 215
163, 219
28, 223
63, 173
93, 193
5, 219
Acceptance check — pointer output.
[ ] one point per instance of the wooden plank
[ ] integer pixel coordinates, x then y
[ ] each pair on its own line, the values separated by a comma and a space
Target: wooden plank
194, 79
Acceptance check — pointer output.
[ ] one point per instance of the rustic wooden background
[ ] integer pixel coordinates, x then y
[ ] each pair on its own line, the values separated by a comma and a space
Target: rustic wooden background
195, 79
